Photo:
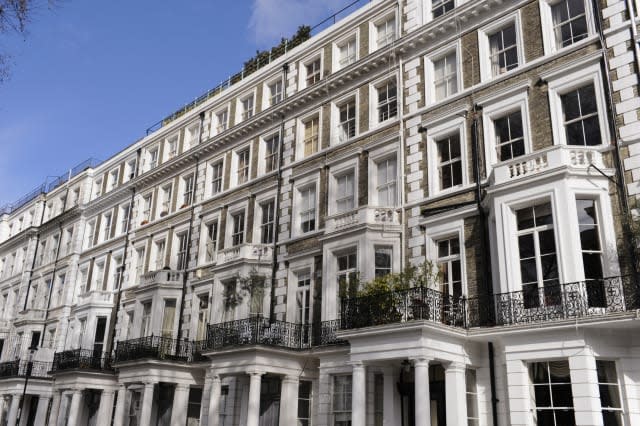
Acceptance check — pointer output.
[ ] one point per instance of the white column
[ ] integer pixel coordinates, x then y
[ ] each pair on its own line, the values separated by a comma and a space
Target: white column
455, 390
214, 400
13, 409
74, 412
147, 403
206, 394
519, 393
118, 419
289, 400
55, 407
41, 411
180, 404
358, 394
105, 408
629, 371
584, 386
422, 396
390, 416
253, 410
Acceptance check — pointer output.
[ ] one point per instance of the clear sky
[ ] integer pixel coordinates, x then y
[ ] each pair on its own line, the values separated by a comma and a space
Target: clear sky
91, 76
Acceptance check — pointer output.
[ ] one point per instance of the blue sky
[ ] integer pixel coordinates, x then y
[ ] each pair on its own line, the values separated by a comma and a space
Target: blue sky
90, 77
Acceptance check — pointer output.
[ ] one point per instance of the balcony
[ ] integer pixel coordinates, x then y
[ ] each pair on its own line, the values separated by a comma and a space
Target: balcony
161, 277
95, 297
365, 215
584, 299
256, 331
81, 359
21, 368
246, 251
155, 348
31, 314
575, 157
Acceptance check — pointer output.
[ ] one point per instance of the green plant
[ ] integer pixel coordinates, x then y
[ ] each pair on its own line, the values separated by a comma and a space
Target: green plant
250, 286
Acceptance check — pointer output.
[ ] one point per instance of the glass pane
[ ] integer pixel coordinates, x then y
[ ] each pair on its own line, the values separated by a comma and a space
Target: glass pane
526, 247
610, 396
543, 398
606, 371
559, 371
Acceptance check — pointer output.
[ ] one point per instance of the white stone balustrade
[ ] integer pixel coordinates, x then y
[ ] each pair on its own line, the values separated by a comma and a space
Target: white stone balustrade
245, 251
556, 157
364, 215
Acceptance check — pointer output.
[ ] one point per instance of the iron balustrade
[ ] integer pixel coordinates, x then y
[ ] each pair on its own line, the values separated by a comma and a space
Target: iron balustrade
257, 330
325, 335
154, 347
22, 368
548, 303
555, 302
81, 359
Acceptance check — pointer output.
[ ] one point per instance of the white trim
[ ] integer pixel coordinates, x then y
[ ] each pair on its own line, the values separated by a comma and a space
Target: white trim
456, 125
335, 172
313, 179
484, 50
302, 68
517, 100
383, 18
446, 228
548, 37
241, 207
339, 43
335, 117
300, 126
373, 100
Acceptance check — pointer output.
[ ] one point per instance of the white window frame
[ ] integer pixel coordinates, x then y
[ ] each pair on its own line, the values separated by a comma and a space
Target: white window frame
231, 212
129, 169
436, 133
158, 262
498, 107
335, 130
209, 185
302, 71
183, 189
383, 153
427, 11
144, 216
267, 97
176, 249
262, 152
122, 220
241, 115
114, 175
191, 137
373, 30
174, 138
561, 81
485, 48
204, 241
443, 228
339, 44
301, 127
257, 215
336, 172
301, 185
217, 126
164, 204
148, 157
373, 101
429, 70
235, 162
548, 35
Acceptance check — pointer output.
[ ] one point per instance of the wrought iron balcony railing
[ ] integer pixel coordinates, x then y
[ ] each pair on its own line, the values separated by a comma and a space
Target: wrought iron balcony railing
22, 368
154, 347
257, 330
549, 303
81, 359
556, 302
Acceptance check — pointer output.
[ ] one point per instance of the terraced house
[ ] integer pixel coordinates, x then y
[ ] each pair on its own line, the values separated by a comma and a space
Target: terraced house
218, 270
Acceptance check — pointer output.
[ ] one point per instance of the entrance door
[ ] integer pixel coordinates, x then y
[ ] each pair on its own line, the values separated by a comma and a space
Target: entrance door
270, 401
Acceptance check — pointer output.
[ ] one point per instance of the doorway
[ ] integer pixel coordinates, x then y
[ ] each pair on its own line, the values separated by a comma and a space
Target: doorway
270, 401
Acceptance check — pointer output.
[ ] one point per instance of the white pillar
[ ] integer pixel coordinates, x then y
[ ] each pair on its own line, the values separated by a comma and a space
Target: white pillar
74, 412
422, 396
358, 395
214, 400
13, 409
41, 411
390, 415
147, 404
289, 400
118, 418
55, 408
584, 386
180, 404
206, 394
519, 393
455, 390
629, 371
253, 410
105, 408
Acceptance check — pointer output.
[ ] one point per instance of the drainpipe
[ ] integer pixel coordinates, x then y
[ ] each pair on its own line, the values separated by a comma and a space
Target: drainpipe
276, 207
492, 373
613, 128
185, 273
35, 253
113, 318
475, 151
401, 192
